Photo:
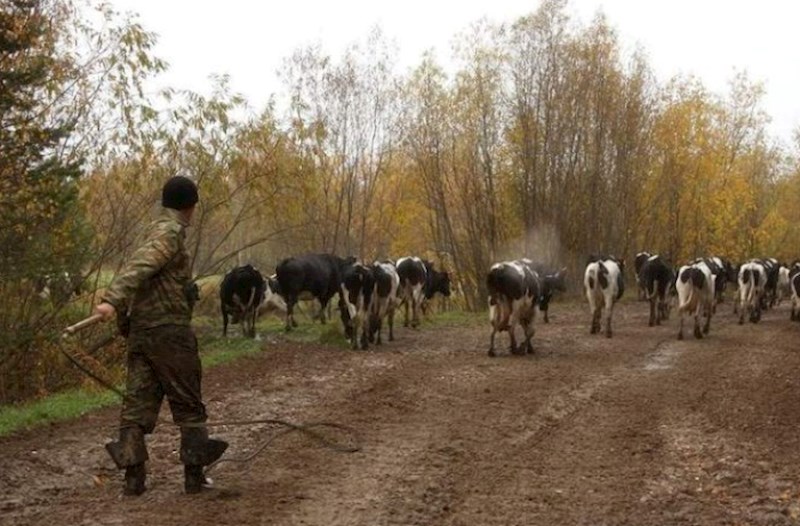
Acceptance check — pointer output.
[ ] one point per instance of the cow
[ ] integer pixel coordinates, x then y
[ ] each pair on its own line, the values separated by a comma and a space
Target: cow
384, 299
318, 274
723, 274
604, 285
514, 289
695, 286
355, 297
59, 287
752, 282
419, 282
273, 300
657, 278
784, 283
794, 285
638, 262
241, 293
770, 295
551, 282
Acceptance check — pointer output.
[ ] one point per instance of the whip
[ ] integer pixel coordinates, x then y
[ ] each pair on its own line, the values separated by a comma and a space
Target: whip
309, 429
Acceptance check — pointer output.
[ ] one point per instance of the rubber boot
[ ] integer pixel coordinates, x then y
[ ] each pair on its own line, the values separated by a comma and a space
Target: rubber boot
134, 480
197, 450
194, 479
130, 454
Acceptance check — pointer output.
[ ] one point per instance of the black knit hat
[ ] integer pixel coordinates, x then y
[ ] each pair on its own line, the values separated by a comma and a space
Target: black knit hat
179, 193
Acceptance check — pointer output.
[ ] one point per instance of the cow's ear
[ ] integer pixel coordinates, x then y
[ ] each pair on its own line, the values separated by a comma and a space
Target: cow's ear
563, 271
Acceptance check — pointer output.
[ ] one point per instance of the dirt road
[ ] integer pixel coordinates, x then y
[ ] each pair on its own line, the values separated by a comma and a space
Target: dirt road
638, 429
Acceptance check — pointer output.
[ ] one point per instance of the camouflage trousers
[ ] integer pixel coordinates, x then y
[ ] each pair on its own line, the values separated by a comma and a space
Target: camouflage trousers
162, 361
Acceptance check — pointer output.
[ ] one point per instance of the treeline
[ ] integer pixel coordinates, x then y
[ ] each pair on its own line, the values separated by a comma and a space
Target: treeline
547, 142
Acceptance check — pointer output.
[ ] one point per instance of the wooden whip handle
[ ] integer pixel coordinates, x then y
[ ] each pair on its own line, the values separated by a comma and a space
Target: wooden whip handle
91, 320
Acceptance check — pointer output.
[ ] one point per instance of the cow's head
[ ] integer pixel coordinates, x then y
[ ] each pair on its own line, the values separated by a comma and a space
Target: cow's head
557, 281
441, 283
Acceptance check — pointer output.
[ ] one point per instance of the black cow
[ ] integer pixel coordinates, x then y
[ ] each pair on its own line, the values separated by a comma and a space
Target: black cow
657, 278
355, 299
419, 282
436, 282
318, 274
638, 262
241, 293
770, 296
514, 290
551, 282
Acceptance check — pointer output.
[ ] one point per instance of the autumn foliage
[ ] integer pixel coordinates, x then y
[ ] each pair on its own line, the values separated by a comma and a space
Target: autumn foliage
544, 140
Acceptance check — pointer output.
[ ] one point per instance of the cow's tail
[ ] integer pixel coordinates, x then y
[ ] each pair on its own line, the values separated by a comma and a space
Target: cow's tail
756, 278
591, 276
498, 302
688, 278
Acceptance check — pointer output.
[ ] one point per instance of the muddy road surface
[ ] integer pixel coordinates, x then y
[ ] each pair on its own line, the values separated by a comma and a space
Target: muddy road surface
638, 429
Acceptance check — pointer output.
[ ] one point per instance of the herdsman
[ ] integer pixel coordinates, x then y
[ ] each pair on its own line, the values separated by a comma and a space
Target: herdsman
153, 297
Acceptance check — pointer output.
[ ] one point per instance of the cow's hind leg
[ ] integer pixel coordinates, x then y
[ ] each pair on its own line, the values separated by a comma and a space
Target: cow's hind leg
698, 333
680, 327
653, 316
513, 338
290, 302
529, 332
491, 341
609, 312
391, 324
595, 321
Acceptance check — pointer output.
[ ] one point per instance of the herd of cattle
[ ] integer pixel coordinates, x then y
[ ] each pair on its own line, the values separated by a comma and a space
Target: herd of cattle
518, 290
695, 288
368, 294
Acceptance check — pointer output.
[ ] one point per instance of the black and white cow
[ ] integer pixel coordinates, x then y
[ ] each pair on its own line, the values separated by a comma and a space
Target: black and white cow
794, 285
273, 300
772, 267
355, 298
723, 274
784, 283
514, 290
752, 283
241, 293
318, 274
59, 287
604, 284
413, 279
657, 278
638, 262
695, 286
552, 281
385, 299
419, 282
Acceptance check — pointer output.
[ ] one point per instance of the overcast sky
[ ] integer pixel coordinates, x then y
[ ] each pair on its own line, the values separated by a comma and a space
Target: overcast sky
248, 39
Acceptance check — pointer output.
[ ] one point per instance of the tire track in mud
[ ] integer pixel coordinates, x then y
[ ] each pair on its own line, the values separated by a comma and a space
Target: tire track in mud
442, 468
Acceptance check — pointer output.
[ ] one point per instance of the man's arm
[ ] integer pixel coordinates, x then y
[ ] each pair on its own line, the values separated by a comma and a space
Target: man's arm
148, 259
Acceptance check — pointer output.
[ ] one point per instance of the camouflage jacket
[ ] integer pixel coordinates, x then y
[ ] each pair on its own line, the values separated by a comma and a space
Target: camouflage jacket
152, 285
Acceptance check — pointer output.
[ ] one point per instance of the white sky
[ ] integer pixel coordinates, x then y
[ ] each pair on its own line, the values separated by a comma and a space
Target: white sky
248, 39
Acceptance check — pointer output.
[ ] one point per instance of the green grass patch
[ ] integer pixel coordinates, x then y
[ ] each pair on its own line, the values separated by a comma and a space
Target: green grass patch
62, 406
214, 350
77, 402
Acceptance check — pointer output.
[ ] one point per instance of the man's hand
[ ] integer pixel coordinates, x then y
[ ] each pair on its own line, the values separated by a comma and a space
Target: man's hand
106, 310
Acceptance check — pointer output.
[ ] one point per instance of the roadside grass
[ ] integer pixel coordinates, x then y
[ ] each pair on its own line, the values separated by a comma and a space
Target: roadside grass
74, 403
214, 350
